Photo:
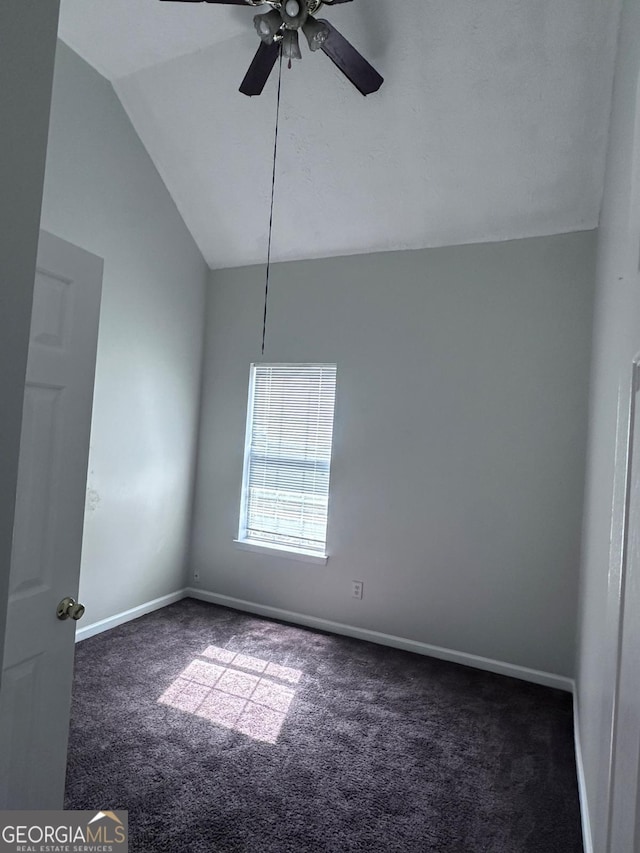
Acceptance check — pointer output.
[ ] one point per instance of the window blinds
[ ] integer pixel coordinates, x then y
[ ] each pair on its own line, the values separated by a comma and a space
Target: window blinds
290, 429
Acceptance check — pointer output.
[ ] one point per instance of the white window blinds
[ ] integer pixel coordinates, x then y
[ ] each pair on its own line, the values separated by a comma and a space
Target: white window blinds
289, 434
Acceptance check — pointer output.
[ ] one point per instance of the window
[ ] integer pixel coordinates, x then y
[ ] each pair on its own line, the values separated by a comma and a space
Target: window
285, 491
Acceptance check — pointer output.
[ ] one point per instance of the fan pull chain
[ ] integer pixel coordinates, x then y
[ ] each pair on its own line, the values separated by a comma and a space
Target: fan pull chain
273, 192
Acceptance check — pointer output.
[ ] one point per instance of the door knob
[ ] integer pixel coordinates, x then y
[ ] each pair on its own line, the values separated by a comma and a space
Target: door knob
70, 609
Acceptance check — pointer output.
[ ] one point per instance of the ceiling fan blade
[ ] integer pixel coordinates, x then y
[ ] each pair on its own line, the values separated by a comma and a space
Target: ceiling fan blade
335, 2
260, 68
352, 64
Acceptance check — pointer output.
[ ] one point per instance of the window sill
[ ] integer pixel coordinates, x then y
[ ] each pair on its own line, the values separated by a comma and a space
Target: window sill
281, 551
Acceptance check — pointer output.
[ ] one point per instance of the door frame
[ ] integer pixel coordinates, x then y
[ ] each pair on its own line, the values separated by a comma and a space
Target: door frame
624, 771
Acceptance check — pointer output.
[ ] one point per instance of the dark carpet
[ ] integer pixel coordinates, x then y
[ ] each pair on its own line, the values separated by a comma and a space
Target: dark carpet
228, 733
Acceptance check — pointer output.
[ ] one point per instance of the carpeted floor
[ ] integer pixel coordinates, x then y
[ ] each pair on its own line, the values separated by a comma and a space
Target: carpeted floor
222, 732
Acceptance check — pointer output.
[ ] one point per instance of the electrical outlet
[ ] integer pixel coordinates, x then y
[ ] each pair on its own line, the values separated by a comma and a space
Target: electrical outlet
357, 589
196, 576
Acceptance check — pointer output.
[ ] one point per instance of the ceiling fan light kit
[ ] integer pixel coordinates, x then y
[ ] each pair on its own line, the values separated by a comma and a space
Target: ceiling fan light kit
269, 26
278, 31
291, 45
316, 33
294, 13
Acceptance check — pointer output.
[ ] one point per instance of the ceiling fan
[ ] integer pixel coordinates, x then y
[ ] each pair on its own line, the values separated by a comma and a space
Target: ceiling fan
278, 31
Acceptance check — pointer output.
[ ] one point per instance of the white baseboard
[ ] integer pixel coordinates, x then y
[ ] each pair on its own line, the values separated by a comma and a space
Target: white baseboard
512, 670
534, 676
587, 837
127, 615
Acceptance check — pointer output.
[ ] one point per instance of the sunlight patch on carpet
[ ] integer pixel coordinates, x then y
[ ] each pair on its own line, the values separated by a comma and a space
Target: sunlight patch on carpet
235, 691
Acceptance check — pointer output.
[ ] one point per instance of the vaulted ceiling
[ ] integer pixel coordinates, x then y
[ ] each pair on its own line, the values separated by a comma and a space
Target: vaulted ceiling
491, 124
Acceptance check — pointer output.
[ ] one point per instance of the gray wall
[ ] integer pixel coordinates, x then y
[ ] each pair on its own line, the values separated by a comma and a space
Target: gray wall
616, 343
460, 430
103, 193
27, 45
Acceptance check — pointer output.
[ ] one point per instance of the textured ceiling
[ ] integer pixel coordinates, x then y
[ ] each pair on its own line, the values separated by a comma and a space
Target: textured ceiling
491, 124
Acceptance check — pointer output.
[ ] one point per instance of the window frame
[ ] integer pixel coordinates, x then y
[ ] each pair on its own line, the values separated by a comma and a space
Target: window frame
265, 547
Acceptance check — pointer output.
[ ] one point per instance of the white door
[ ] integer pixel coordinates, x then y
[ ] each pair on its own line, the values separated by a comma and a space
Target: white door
45, 566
